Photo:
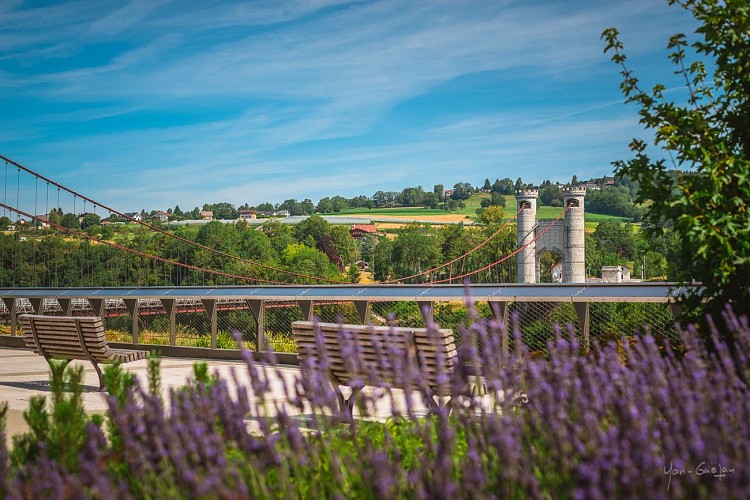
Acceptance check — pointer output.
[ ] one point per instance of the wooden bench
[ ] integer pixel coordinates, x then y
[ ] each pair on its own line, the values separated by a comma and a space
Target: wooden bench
434, 353
69, 338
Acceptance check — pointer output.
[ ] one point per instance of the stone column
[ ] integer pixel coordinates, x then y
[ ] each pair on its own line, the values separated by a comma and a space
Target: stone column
526, 258
574, 265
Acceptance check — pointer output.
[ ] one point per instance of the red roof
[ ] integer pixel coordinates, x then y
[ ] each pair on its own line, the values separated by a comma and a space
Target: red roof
367, 228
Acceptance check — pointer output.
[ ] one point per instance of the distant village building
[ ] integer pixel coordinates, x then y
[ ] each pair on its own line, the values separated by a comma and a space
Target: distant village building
448, 192
245, 214
207, 215
282, 213
161, 216
615, 274
134, 216
42, 220
359, 230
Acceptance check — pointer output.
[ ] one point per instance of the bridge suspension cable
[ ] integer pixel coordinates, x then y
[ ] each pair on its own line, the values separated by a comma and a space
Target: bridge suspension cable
477, 247
140, 253
512, 254
162, 231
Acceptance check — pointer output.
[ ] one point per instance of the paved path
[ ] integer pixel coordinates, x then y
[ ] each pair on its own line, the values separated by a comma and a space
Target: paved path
24, 374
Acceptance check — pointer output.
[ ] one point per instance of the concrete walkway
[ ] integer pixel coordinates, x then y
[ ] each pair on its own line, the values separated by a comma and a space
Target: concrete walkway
24, 374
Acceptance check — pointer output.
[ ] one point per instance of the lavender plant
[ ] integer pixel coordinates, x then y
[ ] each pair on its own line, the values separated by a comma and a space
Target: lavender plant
635, 420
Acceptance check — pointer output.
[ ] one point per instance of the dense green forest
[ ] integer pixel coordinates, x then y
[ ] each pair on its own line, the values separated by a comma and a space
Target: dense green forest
313, 251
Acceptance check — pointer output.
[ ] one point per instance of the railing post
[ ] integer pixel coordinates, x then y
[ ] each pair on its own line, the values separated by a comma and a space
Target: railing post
37, 305
363, 309
307, 309
258, 310
132, 306
10, 304
98, 305
676, 310
500, 312
427, 308
66, 305
169, 307
582, 311
210, 306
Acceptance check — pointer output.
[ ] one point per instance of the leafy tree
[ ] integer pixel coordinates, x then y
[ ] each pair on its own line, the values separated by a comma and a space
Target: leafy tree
519, 184
709, 136
55, 216
314, 226
360, 201
614, 200
308, 261
339, 203
487, 187
326, 246
382, 259
343, 242
416, 249
616, 238
462, 191
325, 206
439, 190
256, 245
366, 246
90, 220
491, 215
292, 205
306, 207
551, 196
504, 186
411, 197
430, 200
4, 223
353, 274
221, 210
70, 221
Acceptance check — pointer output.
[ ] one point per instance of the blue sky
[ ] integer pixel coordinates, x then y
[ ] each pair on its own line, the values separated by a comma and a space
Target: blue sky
156, 103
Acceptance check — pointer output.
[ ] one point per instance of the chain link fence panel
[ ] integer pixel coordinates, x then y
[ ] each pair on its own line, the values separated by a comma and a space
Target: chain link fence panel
611, 321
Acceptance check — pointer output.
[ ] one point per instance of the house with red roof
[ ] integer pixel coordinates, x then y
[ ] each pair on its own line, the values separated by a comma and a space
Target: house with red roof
359, 230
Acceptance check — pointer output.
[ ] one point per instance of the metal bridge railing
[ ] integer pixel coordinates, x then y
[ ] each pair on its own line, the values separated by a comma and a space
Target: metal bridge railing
198, 317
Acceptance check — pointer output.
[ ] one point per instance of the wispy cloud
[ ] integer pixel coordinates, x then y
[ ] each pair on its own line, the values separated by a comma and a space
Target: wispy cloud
328, 94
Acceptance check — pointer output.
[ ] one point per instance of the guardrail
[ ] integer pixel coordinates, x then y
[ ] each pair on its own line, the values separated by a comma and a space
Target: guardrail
198, 321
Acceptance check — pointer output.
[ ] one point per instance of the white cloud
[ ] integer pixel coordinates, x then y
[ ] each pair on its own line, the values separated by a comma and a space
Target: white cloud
307, 85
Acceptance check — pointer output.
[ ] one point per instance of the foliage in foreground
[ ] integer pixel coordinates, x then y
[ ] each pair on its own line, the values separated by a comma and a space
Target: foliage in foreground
633, 421
706, 205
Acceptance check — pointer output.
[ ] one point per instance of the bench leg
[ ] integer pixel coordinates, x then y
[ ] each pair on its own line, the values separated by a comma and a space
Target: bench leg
434, 404
346, 406
99, 374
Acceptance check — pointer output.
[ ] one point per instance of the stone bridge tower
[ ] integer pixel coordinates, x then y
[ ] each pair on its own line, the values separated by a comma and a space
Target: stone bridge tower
565, 238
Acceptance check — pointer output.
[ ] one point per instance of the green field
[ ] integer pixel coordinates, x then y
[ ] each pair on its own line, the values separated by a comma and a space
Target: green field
470, 211
395, 212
